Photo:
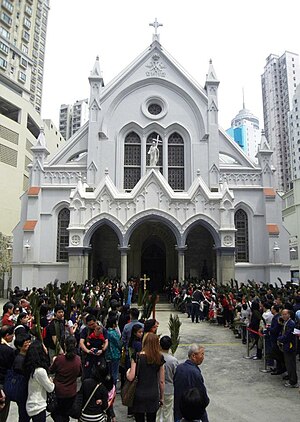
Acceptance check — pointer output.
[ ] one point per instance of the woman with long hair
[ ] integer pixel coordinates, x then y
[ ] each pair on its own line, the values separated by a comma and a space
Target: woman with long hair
39, 384
149, 394
22, 326
66, 368
95, 394
135, 341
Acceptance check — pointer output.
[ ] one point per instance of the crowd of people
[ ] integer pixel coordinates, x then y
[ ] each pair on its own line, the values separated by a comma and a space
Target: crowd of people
91, 336
266, 316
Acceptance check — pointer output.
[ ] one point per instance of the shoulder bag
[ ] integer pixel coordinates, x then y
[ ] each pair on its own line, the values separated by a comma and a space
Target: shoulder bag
77, 409
128, 390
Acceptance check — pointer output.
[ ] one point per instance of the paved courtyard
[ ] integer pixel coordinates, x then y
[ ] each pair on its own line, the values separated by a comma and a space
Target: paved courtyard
237, 389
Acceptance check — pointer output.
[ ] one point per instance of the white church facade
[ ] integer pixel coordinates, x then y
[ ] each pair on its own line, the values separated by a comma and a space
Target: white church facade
103, 205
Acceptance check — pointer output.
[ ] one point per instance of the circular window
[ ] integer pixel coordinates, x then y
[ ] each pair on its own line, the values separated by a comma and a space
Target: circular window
154, 109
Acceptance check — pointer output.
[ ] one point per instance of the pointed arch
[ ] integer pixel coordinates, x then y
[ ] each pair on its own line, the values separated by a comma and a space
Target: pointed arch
241, 236
132, 160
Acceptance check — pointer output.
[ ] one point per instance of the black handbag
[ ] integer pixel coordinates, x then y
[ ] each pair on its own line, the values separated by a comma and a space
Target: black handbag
128, 390
52, 404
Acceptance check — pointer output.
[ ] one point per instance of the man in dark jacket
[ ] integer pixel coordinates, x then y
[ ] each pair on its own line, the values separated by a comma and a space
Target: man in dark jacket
7, 357
275, 331
188, 375
287, 341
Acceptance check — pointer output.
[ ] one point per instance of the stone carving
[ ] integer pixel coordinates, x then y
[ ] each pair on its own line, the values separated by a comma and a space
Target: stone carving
254, 179
156, 67
75, 240
154, 152
228, 240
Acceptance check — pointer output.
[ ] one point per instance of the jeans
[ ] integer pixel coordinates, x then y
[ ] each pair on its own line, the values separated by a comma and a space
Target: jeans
114, 368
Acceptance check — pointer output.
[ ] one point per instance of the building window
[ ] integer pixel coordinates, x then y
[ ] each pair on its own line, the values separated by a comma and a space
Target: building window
4, 33
7, 19
4, 48
27, 23
3, 63
241, 236
63, 221
8, 5
22, 76
176, 162
132, 160
155, 109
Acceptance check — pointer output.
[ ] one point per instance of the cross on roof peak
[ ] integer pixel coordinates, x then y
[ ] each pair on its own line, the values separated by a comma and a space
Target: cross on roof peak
155, 25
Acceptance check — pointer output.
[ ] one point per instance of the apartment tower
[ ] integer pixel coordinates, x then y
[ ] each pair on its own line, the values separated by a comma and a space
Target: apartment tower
279, 81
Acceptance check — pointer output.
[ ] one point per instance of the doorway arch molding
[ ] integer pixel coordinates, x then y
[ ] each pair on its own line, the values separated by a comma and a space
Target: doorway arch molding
153, 215
99, 221
204, 221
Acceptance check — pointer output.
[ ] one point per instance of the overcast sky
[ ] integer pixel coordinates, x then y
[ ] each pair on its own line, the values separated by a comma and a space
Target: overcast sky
238, 35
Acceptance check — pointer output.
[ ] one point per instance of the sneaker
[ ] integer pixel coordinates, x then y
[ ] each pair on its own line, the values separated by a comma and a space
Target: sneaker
256, 358
287, 384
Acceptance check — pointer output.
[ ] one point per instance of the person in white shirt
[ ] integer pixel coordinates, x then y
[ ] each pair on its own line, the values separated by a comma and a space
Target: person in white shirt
165, 412
39, 384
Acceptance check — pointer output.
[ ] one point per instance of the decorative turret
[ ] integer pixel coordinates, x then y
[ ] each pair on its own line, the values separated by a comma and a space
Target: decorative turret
96, 83
264, 156
39, 155
211, 87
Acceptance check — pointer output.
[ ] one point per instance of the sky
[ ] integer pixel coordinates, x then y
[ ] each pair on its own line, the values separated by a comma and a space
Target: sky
237, 35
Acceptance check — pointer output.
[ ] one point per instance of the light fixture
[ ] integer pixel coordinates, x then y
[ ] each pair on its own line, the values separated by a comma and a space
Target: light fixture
27, 245
292, 250
276, 247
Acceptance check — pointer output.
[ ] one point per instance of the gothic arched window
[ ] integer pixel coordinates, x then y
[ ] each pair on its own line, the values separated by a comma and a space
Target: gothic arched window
241, 236
63, 221
153, 136
132, 160
176, 162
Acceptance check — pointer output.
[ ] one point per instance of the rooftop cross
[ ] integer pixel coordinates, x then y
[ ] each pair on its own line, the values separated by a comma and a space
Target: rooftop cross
156, 25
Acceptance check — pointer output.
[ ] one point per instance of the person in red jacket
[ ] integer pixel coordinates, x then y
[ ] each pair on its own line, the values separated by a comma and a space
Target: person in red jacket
7, 318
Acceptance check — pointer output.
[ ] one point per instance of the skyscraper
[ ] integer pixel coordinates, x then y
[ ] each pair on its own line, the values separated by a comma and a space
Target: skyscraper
23, 27
294, 128
72, 117
279, 80
245, 131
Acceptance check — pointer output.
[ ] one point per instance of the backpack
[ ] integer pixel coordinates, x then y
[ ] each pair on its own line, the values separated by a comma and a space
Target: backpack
15, 386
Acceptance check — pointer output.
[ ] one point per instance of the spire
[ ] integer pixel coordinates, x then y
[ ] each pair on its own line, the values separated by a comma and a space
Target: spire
41, 140
96, 74
211, 75
156, 25
264, 145
243, 98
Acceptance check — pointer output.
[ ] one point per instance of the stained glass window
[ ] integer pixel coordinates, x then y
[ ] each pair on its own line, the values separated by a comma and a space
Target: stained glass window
63, 221
176, 162
241, 236
132, 160
154, 109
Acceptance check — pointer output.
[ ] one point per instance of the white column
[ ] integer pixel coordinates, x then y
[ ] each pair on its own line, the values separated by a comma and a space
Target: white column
181, 266
124, 251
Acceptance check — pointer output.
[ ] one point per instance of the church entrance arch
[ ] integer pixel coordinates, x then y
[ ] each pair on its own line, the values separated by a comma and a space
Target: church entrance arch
200, 256
152, 252
105, 257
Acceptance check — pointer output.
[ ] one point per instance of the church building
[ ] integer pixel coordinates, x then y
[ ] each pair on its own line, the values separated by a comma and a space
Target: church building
150, 185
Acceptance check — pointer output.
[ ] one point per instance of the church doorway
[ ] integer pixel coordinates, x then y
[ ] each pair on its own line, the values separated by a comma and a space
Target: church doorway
153, 263
105, 257
152, 252
200, 256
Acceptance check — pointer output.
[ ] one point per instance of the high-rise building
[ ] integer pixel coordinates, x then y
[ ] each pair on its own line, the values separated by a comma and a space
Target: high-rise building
23, 27
245, 131
294, 132
279, 80
72, 117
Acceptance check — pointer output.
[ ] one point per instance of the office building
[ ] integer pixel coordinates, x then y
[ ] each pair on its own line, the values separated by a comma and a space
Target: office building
279, 80
72, 117
245, 131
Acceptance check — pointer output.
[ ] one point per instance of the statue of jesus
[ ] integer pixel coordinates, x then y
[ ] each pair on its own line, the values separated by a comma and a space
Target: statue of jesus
154, 152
